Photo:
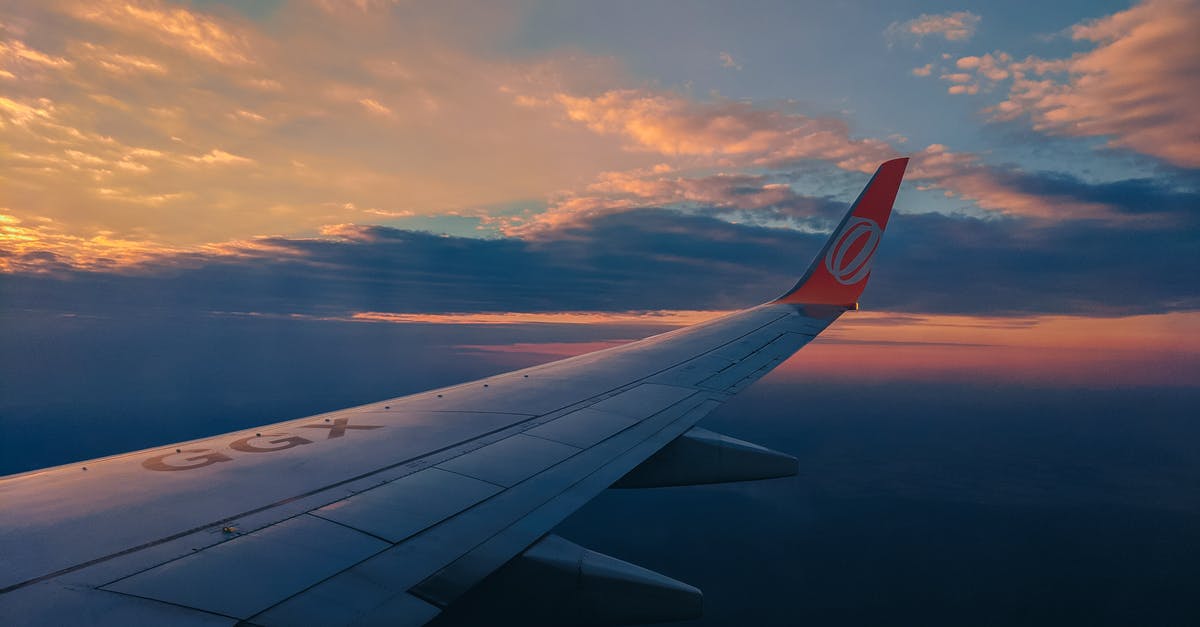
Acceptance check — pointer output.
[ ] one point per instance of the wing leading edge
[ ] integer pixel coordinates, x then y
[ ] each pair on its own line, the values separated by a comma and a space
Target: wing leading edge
393, 511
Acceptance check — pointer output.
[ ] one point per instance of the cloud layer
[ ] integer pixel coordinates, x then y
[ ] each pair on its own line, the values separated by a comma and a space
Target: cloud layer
224, 162
155, 122
1136, 86
657, 259
952, 26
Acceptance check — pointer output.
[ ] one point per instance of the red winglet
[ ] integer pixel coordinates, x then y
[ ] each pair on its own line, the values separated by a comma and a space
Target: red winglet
840, 272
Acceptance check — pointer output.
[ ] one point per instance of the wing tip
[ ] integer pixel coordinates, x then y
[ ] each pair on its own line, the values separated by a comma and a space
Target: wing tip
839, 273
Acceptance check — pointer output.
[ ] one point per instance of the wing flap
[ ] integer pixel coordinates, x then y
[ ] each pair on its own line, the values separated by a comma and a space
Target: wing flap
402, 508
583, 428
250, 573
511, 460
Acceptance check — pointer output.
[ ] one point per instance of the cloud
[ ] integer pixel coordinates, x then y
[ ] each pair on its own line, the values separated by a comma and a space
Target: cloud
728, 134
645, 259
114, 62
173, 27
728, 61
216, 156
673, 125
952, 26
1136, 86
747, 198
374, 106
924, 70
14, 52
990, 66
957, 77
393, 115
992, 188
143, 131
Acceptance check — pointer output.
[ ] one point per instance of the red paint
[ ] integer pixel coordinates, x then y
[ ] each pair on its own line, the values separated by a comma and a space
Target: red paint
852, 247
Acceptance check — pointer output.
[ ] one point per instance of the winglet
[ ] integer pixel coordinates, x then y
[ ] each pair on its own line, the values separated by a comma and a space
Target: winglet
840, 272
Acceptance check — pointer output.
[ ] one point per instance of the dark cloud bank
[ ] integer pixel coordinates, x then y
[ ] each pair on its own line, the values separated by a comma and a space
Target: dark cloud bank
656, 258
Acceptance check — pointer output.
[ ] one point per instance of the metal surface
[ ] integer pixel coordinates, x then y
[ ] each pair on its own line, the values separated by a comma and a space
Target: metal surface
701, 456
511, 460
401, 508
583, 428
247, 574
557, 582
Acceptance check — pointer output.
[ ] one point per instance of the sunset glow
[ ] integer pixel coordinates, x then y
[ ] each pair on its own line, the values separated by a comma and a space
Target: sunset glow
878, 346
378, 162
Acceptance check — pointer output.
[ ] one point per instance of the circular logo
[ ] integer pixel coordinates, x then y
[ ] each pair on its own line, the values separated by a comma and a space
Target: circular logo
848, 261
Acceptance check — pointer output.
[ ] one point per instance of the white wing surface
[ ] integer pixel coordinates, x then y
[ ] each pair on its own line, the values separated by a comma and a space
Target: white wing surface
390, 512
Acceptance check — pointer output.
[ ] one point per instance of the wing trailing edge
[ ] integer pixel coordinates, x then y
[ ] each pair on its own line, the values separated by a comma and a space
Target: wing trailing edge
840, 271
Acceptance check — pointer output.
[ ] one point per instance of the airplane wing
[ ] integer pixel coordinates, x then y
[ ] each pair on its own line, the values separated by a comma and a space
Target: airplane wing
391, 511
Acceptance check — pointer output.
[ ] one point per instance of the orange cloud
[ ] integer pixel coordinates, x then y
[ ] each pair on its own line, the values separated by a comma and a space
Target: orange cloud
40, 246
953, 26
658, 186
115, 62
374, 106
14, 52
963, 175
735, 134
1137, 86
179, 127
673, 125
121, 106
178, 28
217, 156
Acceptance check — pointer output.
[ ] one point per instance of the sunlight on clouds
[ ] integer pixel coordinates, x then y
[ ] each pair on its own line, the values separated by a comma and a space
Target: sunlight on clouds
40, 246
953, 26
394, 115
739, 135
177, 27
116, 62
373, 106
1137, 85
660, 186
14, 52
673, 125
217, 156
182, 127
964, 175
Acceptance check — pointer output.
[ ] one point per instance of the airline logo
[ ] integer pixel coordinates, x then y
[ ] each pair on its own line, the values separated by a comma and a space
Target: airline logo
192, 458
849, 259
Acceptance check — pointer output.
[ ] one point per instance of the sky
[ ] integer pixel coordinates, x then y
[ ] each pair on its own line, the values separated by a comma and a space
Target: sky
216, 214
366, 160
